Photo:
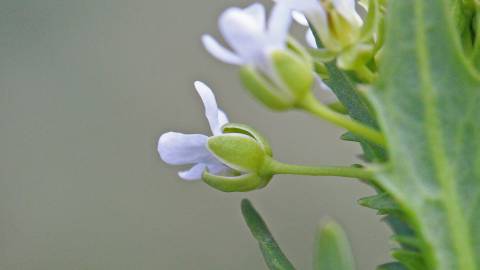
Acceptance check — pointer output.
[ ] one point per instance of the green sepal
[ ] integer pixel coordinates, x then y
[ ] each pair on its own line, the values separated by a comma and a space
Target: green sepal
237, 151
242, 183
264, 91
247, 130
294, 46
371, 21
273, 255
322, 55
295, 73
333, 250
355, 57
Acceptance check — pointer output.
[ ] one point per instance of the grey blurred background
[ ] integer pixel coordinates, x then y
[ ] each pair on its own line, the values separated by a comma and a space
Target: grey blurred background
86, 88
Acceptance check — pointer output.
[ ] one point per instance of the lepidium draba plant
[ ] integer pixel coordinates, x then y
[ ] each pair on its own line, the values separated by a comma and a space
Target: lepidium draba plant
405, 73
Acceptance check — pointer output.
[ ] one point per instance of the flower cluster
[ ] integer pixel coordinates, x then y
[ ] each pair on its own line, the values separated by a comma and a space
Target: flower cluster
280, 73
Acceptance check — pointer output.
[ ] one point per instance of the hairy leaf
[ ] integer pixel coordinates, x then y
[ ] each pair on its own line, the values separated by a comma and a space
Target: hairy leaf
428, 100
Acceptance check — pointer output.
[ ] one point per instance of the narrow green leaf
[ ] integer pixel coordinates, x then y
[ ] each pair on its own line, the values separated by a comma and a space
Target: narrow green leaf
392, 266
345, 90
333, 250
272, 253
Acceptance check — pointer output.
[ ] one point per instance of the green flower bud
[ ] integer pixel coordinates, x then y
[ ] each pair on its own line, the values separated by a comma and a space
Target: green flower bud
241, 148
294, 72
289, 80
237, 151
264, 90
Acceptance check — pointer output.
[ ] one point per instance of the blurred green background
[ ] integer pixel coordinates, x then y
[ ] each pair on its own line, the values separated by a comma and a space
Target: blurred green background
86, 88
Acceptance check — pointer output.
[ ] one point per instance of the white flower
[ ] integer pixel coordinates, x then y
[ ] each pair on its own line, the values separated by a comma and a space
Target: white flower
250, 36
181, 149
319, 14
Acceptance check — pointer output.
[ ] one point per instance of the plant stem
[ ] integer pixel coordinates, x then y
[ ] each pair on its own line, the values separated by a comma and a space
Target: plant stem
277, 167
338, 107
311, 104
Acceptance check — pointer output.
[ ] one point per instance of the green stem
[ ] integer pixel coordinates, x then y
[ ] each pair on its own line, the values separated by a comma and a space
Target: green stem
277, 167
338, 107
311, 104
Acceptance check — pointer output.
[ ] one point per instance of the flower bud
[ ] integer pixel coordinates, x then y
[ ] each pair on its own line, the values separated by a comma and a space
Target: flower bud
289, 79
295, 73
244, 150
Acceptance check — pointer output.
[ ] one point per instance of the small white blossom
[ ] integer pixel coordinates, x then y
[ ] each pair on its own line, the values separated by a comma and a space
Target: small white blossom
317, 13
250, 36
182, 149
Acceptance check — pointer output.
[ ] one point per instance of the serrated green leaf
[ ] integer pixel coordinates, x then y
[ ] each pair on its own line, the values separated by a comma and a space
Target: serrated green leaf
350, 137
272, 253
411, 242
333, 250
412, 260
428, 101
382, 202
392, 266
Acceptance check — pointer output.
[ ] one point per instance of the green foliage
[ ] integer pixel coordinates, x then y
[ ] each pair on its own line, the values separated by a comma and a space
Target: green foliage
333, 250
272, 253
428, 104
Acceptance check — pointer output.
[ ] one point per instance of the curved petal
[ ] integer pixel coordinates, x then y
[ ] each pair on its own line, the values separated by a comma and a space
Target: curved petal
310, 38
194, 173
299, 18
279, 24
243, 34
257, 11
347, 9
217, 168
220, 52
211, 108
323, 86
222, 118
179, 149
301, 5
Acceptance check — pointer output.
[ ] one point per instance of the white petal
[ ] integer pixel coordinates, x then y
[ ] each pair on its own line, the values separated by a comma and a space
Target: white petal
179, 149
220, 52
211, 108
300, 18
279, 24
194, 173
222, 118
302, 5
310, 38
347, 9
257, 11
217, 168
323, 86
243, 34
